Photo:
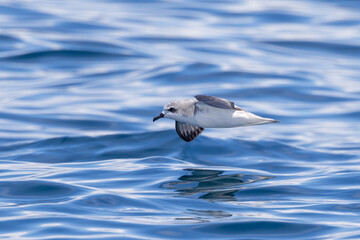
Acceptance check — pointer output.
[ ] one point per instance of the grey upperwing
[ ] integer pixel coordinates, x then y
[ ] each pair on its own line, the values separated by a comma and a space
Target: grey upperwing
217, 102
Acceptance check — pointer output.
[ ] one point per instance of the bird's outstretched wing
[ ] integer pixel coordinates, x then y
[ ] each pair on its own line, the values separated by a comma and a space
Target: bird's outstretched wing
217, 102
187, 131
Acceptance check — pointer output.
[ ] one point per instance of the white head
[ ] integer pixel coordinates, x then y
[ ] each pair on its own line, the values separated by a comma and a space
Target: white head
178, 110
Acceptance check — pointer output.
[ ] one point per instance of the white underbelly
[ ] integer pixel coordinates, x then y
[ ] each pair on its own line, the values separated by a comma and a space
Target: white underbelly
217, 118
211, 117
227, 118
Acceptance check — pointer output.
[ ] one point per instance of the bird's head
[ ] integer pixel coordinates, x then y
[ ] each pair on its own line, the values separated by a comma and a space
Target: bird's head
170, 111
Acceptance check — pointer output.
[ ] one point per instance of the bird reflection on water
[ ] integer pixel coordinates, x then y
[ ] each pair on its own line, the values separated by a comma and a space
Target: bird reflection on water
212, 185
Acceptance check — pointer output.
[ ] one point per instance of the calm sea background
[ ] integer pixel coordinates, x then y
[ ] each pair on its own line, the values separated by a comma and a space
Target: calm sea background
80, 82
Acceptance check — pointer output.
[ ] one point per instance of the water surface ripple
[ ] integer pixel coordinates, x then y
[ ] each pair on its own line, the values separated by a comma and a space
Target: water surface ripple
80, 157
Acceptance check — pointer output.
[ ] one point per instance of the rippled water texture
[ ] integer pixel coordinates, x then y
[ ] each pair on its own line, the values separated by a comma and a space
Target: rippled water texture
81, 81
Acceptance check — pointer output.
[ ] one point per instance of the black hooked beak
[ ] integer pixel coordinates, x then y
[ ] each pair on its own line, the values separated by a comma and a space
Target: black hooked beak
158, 117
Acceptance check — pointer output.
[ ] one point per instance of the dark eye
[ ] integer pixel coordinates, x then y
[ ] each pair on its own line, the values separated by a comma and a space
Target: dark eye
172, 109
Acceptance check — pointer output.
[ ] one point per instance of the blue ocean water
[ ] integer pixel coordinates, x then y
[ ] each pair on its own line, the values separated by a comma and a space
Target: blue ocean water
80, 82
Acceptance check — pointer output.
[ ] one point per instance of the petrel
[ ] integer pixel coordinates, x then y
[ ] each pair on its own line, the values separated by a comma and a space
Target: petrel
193, 115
